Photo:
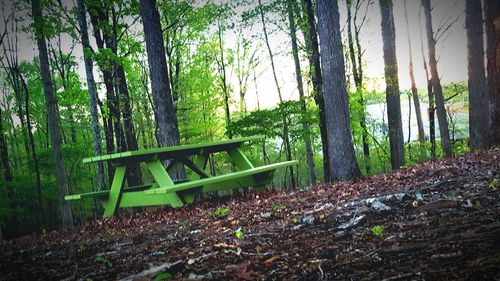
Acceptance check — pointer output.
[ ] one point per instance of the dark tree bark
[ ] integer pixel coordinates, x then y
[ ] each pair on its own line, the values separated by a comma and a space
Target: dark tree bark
168, 133
478, 94
492, 8
435, 81
134, 175
298, 75
92, 91
392, 85
50, 102
286, 137
4, 152
414, 91
430, 94
99, 16
311, 38
342, 158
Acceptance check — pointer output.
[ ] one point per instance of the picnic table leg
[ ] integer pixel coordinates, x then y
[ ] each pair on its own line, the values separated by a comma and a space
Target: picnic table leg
200, 161
242, 163
111, 205
240, 159
163, 179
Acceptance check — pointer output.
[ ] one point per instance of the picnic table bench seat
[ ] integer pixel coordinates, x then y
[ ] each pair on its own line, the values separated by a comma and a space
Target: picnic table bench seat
165, 191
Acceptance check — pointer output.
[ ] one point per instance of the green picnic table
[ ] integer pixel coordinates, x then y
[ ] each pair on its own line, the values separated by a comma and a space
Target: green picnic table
164, 190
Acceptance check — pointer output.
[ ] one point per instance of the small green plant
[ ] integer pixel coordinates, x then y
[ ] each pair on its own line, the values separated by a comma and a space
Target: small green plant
258, 249
239, 233
494, 184
277, 207
295, 220
104, 261
163, 276
81, 249
378, 230
185, 224
221, 212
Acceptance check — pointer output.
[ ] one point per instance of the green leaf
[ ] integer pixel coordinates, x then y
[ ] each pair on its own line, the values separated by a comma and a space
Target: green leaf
239, 233
378, 230
163, 276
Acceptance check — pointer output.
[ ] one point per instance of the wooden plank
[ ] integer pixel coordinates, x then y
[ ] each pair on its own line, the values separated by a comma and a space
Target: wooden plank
140, 199
222, 178
110, 206
103, 193
240, 159
164, 181
171, 151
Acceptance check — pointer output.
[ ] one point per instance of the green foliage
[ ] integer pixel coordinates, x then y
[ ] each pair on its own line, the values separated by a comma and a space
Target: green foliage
377, 230
239, 233
221, 212
494, 184
103, 261
163, 276
185, 224
277, 207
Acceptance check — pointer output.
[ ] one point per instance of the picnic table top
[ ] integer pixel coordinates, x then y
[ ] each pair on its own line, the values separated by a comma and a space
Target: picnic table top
172, 151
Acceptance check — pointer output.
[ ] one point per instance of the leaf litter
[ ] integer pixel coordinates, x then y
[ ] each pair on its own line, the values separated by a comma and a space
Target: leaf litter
437, 221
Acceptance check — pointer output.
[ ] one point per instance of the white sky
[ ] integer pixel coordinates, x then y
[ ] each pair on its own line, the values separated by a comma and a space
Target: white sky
452, 52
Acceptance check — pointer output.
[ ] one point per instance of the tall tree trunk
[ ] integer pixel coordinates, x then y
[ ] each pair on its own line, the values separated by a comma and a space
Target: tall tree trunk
92, 92
134, 174
414, 91
357, 71
343, 164
286, 137
478, 93
4, 152
66, 214
492, 8
168, 133
392, 85
223, 78
431, 107
104, 40
435, 80
298, 74
41, 214
311, 38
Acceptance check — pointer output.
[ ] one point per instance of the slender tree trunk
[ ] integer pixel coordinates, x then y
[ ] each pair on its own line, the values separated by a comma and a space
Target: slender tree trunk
414, 91
99, 18
4, 152
436, 83
298, 74
222, 70
41, 214
168, 133
317, 81
134, 174
492, 8
392, 85
357, 71
256, 89
342, 158
92, 92
430, 94
286, 137
67, 217
478, 93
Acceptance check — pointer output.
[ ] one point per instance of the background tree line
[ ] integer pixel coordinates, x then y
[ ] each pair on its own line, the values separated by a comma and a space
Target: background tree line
117, 75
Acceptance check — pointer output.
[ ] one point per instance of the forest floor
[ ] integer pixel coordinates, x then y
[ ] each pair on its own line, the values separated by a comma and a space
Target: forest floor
435, 221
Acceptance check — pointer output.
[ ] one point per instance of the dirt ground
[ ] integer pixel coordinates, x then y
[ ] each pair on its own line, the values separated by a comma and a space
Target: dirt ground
436, 221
